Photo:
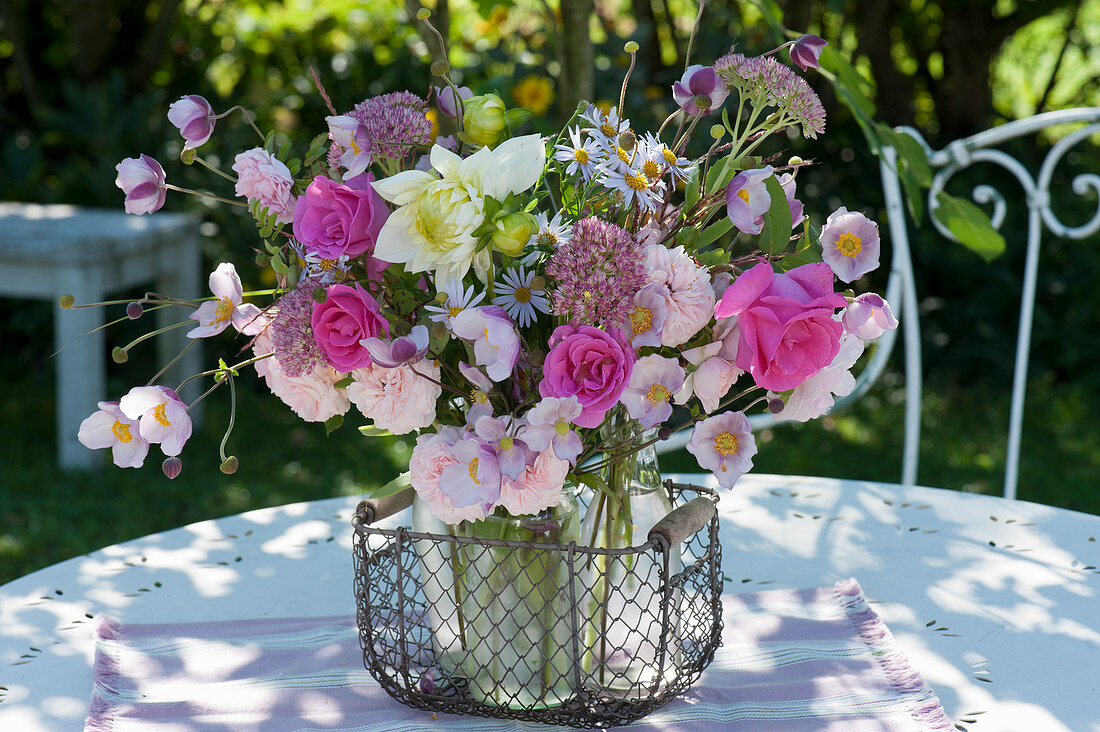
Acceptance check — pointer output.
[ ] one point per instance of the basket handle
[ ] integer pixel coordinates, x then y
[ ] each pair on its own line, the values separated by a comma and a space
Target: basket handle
376, 509
684, 521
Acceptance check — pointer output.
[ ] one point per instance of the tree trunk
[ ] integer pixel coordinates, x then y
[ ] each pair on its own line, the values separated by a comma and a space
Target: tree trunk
577, 71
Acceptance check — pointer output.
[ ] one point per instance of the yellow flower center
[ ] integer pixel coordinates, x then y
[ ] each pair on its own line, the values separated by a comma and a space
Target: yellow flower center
561, 426
670, 157
122, 432
479, 397
224, 311
849, 244
581, 155
658, 393
473, 471
522, 295
608, 130
743, 194
624, 156
651, 169
355, 148
637, 182
160, 416
547, 239
641, 320
452, 311
726, 443
327, 265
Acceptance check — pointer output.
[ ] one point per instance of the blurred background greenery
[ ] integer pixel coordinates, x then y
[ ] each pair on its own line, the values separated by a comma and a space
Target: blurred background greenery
86, 83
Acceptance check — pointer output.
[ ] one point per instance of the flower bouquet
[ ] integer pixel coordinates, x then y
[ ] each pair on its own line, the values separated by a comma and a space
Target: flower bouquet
543, 311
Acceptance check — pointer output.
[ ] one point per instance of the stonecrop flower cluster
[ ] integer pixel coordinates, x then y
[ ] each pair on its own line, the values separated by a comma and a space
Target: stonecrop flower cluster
505, 294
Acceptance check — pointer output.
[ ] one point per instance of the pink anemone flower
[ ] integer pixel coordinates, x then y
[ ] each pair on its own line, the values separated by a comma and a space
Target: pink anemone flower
214, 316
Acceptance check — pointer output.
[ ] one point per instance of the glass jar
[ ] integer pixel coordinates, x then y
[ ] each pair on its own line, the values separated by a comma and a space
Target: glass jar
500, 619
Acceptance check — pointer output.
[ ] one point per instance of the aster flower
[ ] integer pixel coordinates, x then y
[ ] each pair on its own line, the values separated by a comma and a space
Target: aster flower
849, 244
606, 128
548, 425
456, 301
579, 157
552, 233
292, 331
680, 167
518, 298
598, 272
747, 199
724, 445
648, 394
633, 185
327, 271
393, 123
109, 427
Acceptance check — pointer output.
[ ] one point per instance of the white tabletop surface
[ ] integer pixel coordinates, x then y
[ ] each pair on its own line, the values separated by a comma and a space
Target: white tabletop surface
997, 604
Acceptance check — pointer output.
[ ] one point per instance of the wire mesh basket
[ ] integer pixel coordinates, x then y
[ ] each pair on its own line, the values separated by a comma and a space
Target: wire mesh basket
520, 630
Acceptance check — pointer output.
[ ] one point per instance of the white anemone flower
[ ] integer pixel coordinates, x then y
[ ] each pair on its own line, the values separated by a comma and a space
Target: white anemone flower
518, 298
433, 226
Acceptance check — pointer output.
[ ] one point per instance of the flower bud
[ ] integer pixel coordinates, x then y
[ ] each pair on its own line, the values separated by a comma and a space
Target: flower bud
440, 68
776, 405
717, 131
483, 119
320, 294
262, 260
172, 467
631, 47
134, 310
513, 232
538, 283
664, 433
627, 141
795, 160
230, 465
188, 155
423, 14
119, 355
438, 331
66, 301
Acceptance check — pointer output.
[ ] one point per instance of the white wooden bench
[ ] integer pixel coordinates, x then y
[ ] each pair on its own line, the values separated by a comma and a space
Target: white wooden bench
50, 250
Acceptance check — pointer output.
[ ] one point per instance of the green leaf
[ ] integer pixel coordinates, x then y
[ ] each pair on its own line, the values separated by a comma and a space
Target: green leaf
797, 259
914, 194
692, 190
593, 481
777, 220
394, 487
369, 430
721, 174
278, 263
345, 382
333, 423
713, 232
913, 154
855, 91
970, 225
516, 117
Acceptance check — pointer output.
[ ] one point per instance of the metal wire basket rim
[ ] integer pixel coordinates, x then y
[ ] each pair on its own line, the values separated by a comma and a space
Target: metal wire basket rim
573, 547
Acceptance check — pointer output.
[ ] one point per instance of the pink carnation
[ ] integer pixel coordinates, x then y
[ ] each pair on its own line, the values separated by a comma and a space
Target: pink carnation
313, 396
397, 399
537, 488
688, 292
263, 177
431, 456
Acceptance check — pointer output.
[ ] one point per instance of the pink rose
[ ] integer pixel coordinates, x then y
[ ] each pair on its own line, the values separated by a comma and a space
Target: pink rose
348, 315
263, 177
785, 321
537, 488
313, 396
335, 220
590, 364
400, 399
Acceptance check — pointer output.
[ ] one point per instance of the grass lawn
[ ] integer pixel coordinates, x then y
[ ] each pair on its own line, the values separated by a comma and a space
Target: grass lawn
47, 516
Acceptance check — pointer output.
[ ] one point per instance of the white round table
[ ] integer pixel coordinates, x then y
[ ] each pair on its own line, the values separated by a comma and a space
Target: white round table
996, 603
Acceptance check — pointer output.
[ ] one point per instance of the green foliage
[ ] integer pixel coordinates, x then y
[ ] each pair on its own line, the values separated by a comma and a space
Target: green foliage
777, 220
970, 225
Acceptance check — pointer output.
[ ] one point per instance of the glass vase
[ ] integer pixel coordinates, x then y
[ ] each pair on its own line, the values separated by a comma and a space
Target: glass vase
500, 619
623, 605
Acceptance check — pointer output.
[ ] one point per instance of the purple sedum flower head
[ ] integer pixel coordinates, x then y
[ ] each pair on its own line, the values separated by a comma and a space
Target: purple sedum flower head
868, 317
401, 351
474, 479
228, 307
747, 199
849, 244
648, 394
806, 51
699, 91
109, 427
195, 119
548, 426
161, 415
445, 99
723, 444
495, 339
142, 180
647, 318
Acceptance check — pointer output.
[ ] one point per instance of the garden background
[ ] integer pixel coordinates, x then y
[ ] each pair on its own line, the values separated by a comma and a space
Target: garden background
86, 83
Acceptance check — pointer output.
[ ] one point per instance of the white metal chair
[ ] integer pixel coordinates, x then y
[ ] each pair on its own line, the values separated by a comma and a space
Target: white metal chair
901, 288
